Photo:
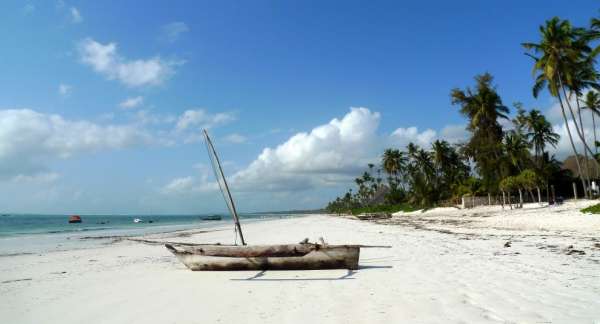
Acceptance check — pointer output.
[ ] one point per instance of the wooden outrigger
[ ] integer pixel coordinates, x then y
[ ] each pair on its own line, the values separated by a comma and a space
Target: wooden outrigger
301, 256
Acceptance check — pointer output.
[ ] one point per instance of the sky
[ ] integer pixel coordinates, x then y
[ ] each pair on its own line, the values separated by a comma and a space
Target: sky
102, 103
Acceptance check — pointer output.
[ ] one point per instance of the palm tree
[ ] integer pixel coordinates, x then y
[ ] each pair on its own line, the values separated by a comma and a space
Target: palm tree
394, 162
483, 107
517, 149
540, 133
592, 102
554, 68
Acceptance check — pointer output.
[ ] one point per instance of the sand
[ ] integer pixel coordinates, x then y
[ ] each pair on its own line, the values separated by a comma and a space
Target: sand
445, 266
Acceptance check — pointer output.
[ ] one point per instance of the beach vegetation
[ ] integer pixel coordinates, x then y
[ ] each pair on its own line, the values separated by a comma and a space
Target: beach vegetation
595, 209
501, 155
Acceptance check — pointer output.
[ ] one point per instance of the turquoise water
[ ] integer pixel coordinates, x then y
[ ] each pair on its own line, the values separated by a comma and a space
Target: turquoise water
23, 234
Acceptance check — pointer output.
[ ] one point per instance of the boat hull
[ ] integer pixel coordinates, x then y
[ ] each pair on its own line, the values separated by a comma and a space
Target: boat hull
275, 257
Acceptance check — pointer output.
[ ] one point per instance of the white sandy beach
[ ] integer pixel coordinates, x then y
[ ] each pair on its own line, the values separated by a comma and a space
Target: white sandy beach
445, 266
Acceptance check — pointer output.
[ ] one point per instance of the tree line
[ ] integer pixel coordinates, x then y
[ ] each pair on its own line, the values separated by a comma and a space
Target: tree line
495, 160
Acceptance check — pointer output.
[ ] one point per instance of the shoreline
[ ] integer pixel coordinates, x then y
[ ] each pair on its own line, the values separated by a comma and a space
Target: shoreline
427, 276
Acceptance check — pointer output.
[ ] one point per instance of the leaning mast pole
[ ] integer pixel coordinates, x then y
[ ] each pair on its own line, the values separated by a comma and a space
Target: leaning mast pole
226, 193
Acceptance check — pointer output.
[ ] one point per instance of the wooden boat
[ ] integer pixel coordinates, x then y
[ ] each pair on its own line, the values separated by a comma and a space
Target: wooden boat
211, 218
306, 256
302, 256
74, 219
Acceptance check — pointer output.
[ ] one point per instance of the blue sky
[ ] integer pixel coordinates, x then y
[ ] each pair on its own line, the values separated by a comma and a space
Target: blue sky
102, 102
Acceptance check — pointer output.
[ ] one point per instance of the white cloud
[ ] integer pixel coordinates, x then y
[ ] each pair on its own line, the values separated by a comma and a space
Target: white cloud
179, 185
235, 138
75, 15
326, 155
172, 31
42, 177
401, 137
199, 117
455, 134
134, 73
131, 102
64, 89
189, 184
29, 139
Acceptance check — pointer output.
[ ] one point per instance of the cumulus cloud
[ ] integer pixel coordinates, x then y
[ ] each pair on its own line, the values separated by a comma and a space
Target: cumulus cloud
235, 138
64, 89
172, 31
131, 102
104, 59
325, 155
28, 139
76, 17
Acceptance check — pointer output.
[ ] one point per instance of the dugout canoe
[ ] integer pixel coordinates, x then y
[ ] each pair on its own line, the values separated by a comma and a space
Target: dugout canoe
307, 256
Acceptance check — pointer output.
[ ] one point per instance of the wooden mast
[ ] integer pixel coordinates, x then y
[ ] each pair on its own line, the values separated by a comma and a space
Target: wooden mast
226, 193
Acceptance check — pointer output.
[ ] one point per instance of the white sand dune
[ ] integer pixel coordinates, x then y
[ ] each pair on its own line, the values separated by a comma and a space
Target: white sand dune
449, 272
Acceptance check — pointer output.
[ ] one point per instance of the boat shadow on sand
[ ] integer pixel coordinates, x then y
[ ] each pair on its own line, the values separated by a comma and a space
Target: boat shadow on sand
348, 276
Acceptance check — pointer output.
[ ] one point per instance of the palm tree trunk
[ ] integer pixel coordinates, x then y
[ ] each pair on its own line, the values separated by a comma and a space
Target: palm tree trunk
589, 184
539, 195
595, 139
586, 148
586, 177
562, 109
520, 198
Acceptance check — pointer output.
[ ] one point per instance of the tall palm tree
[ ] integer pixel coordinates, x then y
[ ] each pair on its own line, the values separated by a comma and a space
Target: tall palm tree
554, 67
394, 162
483, 107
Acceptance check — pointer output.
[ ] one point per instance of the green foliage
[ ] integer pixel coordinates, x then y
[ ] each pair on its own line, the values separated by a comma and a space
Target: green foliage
595, 209
483, 107
528, 180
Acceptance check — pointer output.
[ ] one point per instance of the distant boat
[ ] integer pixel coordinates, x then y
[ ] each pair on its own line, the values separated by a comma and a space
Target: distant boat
75, 219
137, 220
211, 218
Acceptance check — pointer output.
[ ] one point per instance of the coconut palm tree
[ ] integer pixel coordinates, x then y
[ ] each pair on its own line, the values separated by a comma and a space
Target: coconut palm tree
554, 67
540, 133
517, 150
483, 107
394, 163
592, 103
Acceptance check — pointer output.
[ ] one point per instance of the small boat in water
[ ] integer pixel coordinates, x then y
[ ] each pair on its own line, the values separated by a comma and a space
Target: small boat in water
75, 219
211, 218
302, 256
137, 220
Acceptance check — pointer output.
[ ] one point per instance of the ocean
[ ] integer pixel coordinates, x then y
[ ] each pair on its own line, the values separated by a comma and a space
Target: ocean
29, 234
